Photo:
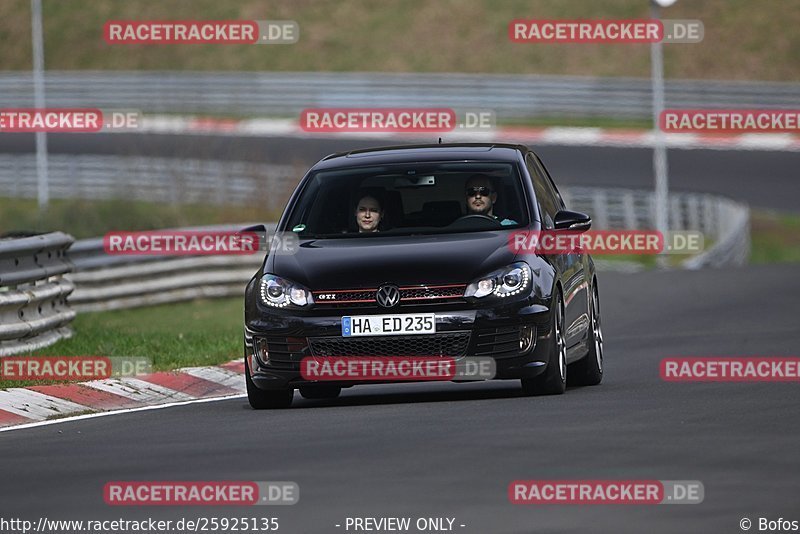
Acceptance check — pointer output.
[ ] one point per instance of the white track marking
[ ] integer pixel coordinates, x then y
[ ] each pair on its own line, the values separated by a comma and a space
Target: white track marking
35, 405
219, 375
115, 412
138, 390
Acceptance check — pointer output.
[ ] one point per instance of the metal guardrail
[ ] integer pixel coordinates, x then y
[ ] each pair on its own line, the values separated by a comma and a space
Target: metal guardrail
724, 223
287, 93
733, 238
108, 282
162, 280
153, 179
33, 292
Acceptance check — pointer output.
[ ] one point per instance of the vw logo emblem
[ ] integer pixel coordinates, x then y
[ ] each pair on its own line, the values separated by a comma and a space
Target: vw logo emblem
388, 296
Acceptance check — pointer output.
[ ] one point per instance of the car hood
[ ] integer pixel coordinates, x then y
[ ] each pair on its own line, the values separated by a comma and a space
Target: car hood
368, 262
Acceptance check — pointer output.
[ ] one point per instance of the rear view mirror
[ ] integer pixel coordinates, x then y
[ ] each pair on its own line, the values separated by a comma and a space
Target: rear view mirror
414, 181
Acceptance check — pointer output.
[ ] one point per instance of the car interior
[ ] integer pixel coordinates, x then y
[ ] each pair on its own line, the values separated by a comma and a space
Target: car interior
427, 201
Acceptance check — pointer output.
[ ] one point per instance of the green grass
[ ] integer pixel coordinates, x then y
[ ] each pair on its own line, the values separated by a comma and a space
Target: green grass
775, 237
744, 39
592, 122
200, 332
100, 216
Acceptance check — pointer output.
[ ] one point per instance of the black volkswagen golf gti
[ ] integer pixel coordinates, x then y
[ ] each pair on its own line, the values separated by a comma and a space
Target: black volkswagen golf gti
423, 234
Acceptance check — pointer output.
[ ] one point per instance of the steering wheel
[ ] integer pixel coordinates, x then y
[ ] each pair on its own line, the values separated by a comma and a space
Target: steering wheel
478, 222
476, 216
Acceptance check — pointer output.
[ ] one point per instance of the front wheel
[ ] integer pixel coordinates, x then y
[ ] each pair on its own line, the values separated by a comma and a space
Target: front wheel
554, 379
589, 370
260, 399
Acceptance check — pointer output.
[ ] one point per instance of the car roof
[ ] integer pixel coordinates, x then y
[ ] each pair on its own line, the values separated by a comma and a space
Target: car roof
428, 152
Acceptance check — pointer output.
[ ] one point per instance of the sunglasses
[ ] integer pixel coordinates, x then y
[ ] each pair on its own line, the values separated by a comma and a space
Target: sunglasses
483, 191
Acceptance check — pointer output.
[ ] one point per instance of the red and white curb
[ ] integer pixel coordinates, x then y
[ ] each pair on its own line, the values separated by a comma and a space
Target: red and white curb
557, 136
21, 406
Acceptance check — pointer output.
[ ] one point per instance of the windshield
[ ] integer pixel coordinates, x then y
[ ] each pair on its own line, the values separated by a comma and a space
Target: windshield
410, 198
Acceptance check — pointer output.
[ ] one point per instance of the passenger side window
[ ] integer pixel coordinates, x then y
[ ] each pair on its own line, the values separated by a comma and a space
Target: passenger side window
551, 184
547, 199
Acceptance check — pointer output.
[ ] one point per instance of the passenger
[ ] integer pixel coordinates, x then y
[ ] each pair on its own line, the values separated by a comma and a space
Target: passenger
481, 197
368, 214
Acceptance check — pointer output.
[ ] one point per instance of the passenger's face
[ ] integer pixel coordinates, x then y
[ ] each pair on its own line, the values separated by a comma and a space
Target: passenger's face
368, 214
480, 197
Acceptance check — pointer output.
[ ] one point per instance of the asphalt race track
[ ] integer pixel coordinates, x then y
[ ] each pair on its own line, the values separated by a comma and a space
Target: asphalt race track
451, 450
447, 450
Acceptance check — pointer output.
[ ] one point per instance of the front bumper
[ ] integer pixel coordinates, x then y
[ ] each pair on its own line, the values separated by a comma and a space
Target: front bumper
276, 342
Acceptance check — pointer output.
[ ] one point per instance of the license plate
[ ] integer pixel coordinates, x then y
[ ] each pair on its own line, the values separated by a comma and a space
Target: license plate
389, 325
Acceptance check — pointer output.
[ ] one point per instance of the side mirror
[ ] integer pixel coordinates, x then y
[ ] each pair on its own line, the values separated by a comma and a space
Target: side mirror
572, 220
260, 230
256, 228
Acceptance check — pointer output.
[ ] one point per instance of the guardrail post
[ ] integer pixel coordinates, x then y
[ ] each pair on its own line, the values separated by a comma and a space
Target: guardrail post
600, 212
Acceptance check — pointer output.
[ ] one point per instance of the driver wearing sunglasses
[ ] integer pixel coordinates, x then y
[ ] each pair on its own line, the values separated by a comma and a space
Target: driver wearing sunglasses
481, 197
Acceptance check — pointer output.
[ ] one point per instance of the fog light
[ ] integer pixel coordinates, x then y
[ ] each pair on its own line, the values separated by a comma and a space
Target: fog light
525, 337
261, 350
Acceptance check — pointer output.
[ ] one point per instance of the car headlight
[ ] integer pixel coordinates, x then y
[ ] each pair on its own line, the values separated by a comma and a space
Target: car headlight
280, 292
504, 282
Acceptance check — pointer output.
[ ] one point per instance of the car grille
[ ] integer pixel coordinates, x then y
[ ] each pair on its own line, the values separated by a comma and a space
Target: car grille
431, 292
409, 296
444, 344
345, 297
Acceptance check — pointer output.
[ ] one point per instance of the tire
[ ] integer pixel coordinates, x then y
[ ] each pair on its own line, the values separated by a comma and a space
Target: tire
261, 399
589, 370
554, 379
317, 391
